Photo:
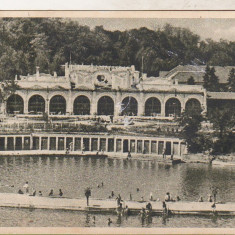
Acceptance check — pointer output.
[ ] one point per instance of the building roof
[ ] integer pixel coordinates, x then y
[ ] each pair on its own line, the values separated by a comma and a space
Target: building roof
184, 72
221, 95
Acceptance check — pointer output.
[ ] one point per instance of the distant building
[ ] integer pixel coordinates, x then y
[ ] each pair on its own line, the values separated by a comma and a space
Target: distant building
182, 73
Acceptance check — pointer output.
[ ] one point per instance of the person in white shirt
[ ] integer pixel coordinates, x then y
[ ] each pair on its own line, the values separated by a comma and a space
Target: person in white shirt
26, 187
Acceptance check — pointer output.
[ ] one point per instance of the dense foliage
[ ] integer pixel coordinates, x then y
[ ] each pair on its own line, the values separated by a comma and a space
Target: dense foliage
197, 141
211, 81
223, 120
49, 43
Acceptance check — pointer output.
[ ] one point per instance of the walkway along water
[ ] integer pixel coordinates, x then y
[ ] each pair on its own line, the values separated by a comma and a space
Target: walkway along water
110, 205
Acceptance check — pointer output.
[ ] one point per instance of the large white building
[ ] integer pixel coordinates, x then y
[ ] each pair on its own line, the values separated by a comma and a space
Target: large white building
103, 90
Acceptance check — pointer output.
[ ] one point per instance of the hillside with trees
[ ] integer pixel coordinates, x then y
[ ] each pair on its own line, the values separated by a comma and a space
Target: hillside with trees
49, 43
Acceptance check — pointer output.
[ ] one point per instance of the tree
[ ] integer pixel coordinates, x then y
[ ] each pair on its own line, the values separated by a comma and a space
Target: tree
223, 120
211, 81
206, 77
191, 81
7, 88
231, 80
191, 123
214, 81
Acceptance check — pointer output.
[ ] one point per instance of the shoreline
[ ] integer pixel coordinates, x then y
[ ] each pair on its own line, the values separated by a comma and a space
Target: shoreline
186, 158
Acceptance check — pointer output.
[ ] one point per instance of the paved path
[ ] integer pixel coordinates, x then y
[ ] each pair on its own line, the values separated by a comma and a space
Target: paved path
109, 205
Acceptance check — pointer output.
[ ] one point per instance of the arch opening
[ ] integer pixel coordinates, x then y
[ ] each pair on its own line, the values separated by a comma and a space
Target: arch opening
58, 105
152, 107
105, 106
15, 104
129, 106
81, 105
193, 105
36, 104
173, 107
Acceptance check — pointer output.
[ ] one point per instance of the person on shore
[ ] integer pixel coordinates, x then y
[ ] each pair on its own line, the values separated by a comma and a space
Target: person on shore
200, 199
119, 209
126, 211
87, 194
26, 187
109, 221
178, 198
20, 191
129, 154
151, 197
210, 198
60, 193
33, 193
118, 199
40, 193
164, 153
214, 192
112, 194
149, 207
142, 213
130, 197
51, 193
167, 197
164, 207
213, 206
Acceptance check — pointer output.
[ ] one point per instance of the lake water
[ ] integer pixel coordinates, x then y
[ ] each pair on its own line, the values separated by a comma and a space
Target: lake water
74, 174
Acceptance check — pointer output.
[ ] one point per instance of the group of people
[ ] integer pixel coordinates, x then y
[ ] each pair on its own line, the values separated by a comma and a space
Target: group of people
33, 191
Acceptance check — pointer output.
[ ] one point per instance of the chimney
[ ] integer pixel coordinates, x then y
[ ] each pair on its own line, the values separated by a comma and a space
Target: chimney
37, 71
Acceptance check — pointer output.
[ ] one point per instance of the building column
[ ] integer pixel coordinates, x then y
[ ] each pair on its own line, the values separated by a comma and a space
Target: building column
172, 147
89, 144
163, 108
5, 143
14, 142
150, 143
135, 145
115, 145
56, 142
69, 104
73, 143
48, 143
107, 141
26, 105
93, 104
117, 104
22, 142
182, 105
31, 142
141, 105
47, 106
179, 153
40, 143
157, 146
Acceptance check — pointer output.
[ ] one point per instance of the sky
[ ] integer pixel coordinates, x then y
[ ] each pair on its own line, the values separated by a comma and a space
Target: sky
215, 29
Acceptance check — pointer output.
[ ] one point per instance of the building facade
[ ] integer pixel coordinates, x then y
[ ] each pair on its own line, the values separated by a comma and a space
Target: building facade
103, 90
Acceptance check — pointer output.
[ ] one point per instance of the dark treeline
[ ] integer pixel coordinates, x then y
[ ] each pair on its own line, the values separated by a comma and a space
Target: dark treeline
49, 43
